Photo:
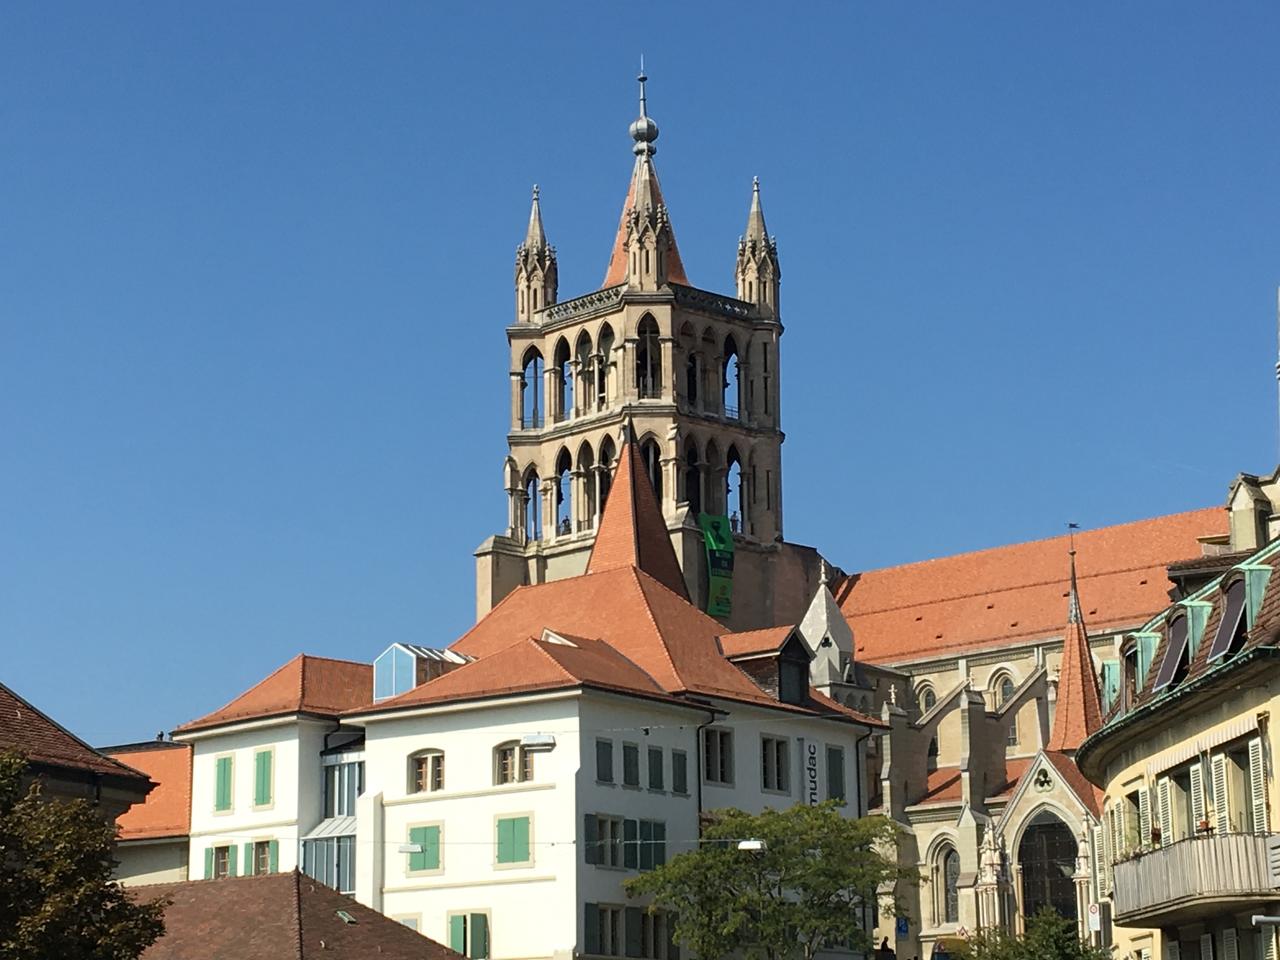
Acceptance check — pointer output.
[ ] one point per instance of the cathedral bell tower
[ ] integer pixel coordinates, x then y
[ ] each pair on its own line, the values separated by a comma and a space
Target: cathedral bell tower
694, 373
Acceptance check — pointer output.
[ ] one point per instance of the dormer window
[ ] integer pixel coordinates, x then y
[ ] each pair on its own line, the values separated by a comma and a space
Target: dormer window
793, 681
1129, 679
1231, 629
1176, 660
393, 673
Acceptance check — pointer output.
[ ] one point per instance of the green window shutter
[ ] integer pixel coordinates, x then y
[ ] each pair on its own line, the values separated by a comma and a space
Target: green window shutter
249, 863
231, 860
273, 856
591, 838
659, 843
222, 793
632, 921
679, 772
418, 861
835, 773
655, 768
630, 765
646, 844
504, 841
433, 848
458, 934
591, 928
208, 863
673, 948
629, 858
262, 778
479, 937
520, 839
604, 761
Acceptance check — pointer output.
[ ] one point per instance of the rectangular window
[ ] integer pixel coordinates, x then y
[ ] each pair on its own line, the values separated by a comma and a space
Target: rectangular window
654, 935
343, 782
428, 772
653, 844
603, 840
262, 856
263, 788
774, 765
332, 861
427, 856
604, 930
835, 773
604, 761
655, 769
222, 787
630, 765
717, 755
222, 862
679, 772
469, 934
513, 839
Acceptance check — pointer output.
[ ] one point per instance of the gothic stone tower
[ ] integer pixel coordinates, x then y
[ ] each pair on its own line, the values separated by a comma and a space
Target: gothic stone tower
694, 374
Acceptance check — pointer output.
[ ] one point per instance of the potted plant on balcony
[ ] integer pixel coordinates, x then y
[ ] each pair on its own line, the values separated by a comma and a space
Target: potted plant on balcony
1155, 835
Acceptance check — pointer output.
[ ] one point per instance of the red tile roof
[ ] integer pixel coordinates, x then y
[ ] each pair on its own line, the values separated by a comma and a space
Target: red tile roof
1079, 707
26, 731
632, 532
944, 784
617, 270
1090, 795
972, 601
314, 685
167, 809
747, 642
278, 916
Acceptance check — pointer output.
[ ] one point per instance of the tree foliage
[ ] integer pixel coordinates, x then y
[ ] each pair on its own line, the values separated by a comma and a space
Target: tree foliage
1048, 936
57, 898
811, 887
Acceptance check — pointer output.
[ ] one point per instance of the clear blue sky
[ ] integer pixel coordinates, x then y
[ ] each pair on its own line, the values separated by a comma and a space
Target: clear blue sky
256, 259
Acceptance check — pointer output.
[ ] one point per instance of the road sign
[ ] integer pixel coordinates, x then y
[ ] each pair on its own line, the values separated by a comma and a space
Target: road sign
902, 927
1095, 918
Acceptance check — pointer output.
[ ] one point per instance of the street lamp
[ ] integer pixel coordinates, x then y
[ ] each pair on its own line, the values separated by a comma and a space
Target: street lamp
758, 846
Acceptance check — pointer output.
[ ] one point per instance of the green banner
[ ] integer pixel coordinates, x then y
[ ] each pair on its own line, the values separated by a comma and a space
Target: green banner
718, 536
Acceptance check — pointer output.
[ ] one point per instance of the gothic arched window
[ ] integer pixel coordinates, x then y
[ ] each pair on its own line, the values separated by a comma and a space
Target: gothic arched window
947, 886
648, 360
531, 401
652, 457
1047, 856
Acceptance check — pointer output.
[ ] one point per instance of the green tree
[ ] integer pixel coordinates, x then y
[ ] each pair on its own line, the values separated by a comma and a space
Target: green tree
810, 887
57, 898
1048, 936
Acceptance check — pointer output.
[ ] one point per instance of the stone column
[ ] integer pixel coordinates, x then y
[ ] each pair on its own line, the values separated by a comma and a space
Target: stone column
667, 375
517, 399
746, 396
700, 377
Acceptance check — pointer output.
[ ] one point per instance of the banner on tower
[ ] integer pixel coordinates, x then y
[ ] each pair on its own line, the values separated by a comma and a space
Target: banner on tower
718, 536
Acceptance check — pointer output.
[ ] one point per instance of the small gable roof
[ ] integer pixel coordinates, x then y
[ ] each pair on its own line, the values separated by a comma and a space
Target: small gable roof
277, 916
306, 684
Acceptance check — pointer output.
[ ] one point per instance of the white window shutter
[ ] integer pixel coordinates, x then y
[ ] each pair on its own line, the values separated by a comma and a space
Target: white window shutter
1144, 817
1104, 878
1166, 811
1221, 802
1172, 950
1268, 935
1230, 947
1095, 853
1206, 946
1258, 789
1197, 795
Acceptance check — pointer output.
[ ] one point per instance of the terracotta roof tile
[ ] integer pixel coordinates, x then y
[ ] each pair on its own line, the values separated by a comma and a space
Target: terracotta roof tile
747, 642
972, 601
617, 270
167, 809
943, 786
1079, 707
632, 532
305, 684
41, 740
278, 916
1014, 769
1090, 795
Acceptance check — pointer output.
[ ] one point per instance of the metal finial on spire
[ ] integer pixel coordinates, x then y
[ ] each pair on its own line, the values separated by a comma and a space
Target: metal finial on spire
1073, 605
644, 131
535, 192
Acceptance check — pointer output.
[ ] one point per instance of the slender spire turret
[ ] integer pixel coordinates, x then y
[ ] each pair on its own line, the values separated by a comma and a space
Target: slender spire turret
758, 272
537, 282
1079, 707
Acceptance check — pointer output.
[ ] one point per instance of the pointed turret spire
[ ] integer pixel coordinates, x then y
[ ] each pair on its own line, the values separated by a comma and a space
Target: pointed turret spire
758, 271
536, 271
644, 223
632, 532
535, 237
1079, 708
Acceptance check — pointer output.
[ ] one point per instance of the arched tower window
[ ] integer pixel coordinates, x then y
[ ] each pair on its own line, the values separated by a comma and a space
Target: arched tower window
605, 351
532, 506
586, 471
564, 381
692, 478
648, 360
732, 388
586, 374
735, 493
606, 470
653, 465
531, 390
689, 345
1047, 856
564, 494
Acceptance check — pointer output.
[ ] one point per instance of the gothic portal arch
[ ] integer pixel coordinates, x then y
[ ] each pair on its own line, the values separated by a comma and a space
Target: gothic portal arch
1047, 863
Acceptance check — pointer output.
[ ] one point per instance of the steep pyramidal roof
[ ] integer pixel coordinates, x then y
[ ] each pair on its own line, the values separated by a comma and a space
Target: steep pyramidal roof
632, 532
535, 238
644, 195
1079, 709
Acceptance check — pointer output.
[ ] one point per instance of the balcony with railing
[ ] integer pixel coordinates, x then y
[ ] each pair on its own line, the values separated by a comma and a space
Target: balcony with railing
1195, 879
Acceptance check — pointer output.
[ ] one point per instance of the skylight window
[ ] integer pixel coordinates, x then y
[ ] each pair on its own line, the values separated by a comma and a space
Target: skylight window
394, 673
1174, 666
1232, 623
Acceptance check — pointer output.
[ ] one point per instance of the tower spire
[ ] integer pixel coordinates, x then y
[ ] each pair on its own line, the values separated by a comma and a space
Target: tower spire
756, 229
537, 279
758, 273
535, 237
1079, 709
